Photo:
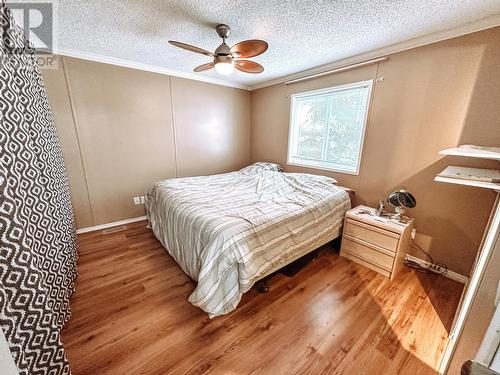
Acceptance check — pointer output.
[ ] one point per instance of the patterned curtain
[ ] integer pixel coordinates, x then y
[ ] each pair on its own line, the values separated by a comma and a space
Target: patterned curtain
37, 233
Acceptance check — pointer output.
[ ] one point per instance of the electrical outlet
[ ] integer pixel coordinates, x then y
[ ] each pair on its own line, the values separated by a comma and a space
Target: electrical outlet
139, 200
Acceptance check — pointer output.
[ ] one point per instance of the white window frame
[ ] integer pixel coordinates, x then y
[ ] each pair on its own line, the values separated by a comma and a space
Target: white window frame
332, 89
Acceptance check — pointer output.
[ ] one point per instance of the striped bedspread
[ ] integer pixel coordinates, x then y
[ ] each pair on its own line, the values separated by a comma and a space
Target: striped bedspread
228, 231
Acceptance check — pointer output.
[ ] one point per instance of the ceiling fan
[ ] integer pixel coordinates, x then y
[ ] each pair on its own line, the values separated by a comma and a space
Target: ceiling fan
227, 59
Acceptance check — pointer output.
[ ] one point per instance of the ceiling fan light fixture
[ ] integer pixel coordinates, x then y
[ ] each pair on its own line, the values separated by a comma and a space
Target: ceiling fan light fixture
226, 59
224, 65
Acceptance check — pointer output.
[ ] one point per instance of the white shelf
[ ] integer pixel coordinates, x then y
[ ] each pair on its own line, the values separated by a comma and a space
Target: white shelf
480, 184
473, 152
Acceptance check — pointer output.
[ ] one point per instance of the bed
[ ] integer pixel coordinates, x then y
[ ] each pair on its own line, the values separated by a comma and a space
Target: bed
228, 231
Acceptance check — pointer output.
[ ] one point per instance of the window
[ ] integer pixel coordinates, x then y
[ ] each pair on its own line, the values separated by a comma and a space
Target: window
327, 127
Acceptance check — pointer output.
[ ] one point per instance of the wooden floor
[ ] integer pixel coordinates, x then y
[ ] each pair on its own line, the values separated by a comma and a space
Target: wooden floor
130, 316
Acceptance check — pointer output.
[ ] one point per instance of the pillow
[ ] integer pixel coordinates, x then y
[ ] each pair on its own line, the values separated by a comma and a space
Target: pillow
316, 177
261, 167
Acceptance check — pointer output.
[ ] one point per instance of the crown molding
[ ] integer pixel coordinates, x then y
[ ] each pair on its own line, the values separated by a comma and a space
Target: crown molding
146, 67
482, 24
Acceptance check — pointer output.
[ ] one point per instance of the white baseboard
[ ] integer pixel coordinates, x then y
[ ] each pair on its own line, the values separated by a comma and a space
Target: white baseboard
110, 225
450, 274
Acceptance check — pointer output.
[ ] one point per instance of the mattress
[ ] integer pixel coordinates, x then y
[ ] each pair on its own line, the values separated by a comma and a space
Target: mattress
227, 231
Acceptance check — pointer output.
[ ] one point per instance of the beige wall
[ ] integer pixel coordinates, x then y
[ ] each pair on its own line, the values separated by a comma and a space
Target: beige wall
122, 129
431, 98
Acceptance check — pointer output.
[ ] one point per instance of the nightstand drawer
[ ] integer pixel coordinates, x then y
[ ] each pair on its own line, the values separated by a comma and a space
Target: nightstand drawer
368, 254
375, 243
373, 235
369, 265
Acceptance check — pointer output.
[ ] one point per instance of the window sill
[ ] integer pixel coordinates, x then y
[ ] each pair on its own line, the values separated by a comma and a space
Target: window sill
321, 168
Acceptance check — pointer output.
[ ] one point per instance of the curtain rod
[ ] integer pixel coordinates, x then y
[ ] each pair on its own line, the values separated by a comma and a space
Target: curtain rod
339, 69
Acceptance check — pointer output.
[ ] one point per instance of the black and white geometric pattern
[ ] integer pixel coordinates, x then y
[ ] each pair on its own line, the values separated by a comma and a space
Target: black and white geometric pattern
38, 252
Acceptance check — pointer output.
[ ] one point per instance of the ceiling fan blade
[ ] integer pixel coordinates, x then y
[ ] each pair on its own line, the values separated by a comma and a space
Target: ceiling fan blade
248, 66
204, 67
249, 48
191, 48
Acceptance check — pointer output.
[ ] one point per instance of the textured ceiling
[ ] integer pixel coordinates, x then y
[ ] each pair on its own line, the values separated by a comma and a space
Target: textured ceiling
301, 33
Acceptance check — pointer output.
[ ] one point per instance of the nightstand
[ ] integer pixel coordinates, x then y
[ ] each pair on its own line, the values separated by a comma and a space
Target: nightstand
375, 242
